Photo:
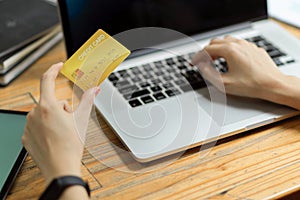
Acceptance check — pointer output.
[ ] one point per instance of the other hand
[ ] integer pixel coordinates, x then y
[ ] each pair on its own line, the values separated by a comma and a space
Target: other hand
52, 136
250, 69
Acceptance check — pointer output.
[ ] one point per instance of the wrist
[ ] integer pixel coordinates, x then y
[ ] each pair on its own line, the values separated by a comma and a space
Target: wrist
59, 173
271, 89
283, 91
61, 166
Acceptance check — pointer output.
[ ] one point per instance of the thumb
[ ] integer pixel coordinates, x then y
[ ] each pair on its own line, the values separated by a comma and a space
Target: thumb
83, 111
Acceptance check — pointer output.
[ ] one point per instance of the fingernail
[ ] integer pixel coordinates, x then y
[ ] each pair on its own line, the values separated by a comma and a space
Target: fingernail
96, 91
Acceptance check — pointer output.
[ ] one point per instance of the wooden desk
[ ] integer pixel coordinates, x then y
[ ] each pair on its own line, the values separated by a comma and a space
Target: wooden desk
259, 164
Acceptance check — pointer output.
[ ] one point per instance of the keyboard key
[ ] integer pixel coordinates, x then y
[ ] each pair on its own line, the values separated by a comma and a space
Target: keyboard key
186, 87
120, 84
223, 62
147, 67
170, 61
155, 81
128, 89
197, 85
168, 85
286, 59
172, 92
168, 78
127, 96
256, 39
263, 43
190, 72
156, 89
182, 66
158, 64
135, 70
136, 79
147, 76
278, 62
125, 75
178, 75
147, 99
135, 103
179, 82
291, 61
190, 78
159, 73
181, 59
159, 96
144, 84
112, 77
270, 48
171, 70
276, 53
122, 72
223, 69
140, 93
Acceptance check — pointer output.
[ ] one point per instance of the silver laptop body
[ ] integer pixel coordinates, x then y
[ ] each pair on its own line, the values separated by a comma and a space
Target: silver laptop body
177, 123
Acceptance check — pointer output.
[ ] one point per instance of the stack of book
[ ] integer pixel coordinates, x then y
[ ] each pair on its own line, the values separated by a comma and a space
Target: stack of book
28, 29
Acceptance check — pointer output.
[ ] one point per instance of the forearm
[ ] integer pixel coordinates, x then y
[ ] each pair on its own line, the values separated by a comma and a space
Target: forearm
284, 91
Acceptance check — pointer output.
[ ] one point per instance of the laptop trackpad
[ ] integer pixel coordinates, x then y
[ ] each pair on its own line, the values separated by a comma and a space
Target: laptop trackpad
237, 108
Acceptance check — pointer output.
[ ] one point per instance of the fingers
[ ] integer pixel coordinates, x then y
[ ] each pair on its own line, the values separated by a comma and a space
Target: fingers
201, 57
229, 38
47, 87
209, 73
217, 50
206, 67
226, 39
218, 47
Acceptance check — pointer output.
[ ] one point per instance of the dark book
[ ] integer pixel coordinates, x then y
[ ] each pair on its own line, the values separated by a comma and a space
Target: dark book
24, 64
23, 21
8, 61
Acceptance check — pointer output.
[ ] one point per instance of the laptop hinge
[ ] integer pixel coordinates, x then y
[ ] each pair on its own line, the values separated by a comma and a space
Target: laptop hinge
201, 36
222, 31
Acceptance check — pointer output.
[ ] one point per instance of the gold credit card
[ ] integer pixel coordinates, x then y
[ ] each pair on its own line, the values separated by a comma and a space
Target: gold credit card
95, 60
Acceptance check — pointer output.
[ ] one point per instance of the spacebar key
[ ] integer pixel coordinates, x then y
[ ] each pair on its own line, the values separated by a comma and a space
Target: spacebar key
139, 93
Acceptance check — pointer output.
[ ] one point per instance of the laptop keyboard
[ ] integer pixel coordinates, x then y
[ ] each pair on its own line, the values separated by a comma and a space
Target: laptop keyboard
173, 76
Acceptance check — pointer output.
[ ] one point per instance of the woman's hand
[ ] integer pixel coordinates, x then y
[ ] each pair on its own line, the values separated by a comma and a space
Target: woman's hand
250, 69
251, 72
52, 136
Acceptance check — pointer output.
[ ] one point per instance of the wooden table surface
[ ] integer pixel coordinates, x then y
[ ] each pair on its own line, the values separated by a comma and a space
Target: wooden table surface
260, 164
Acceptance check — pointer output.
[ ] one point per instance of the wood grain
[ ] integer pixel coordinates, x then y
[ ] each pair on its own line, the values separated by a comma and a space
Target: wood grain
259, 164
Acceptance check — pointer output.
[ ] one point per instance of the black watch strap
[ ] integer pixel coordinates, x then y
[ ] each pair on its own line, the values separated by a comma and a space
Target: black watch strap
58, 185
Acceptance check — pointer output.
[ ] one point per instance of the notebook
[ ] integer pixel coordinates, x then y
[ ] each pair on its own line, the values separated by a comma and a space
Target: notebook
21, 22
155, 101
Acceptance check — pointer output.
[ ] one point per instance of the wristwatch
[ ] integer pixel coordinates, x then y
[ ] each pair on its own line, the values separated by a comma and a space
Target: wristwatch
58, 185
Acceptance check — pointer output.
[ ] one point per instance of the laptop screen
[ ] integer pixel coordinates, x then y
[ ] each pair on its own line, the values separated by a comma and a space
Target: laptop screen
81, 18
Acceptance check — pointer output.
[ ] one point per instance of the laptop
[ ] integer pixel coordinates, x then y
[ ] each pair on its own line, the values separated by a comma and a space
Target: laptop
155, 101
